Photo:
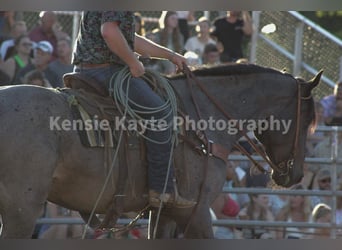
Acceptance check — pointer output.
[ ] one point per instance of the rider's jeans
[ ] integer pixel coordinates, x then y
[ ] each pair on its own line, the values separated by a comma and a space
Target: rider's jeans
157, 154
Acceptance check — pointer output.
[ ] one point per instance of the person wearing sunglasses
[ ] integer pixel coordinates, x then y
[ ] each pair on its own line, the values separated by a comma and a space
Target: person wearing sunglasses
322, 182
19, 60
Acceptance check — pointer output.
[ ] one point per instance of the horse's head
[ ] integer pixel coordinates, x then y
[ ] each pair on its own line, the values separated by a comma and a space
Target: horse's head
285, 148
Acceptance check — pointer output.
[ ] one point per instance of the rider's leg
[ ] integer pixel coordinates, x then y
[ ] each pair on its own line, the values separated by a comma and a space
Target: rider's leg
158, 154
158, 143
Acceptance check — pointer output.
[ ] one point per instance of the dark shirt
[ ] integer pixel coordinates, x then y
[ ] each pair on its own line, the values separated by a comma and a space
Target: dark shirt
50, 75
60, 69
90, 47
4, 78
230, 35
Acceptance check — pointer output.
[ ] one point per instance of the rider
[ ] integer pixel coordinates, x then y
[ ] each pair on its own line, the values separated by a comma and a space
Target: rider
105, 44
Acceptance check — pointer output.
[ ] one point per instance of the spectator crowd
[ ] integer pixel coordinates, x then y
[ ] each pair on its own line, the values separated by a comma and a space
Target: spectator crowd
46, 48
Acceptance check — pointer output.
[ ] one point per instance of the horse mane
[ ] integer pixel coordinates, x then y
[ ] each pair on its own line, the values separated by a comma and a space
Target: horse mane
228, 69
243, 69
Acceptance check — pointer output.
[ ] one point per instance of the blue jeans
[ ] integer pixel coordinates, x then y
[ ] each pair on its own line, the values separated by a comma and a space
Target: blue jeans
157, 154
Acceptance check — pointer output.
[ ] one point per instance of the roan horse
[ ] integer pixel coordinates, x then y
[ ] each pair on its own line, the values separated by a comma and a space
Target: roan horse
38, 163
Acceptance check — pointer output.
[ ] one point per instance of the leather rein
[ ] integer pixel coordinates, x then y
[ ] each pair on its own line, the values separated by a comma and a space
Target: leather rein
211, 148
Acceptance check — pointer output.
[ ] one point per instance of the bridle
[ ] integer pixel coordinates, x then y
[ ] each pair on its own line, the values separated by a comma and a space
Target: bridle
213, 149
210, 148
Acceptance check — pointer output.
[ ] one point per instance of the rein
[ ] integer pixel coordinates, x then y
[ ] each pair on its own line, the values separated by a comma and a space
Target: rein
280, 167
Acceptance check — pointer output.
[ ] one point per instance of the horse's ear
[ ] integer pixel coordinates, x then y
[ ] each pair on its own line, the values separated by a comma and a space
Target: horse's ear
315, 81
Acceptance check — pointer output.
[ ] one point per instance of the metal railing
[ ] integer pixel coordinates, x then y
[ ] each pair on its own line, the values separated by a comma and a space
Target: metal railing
333, 161
302, 41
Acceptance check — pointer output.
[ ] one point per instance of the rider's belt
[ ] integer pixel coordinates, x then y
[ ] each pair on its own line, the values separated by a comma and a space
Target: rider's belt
92, 66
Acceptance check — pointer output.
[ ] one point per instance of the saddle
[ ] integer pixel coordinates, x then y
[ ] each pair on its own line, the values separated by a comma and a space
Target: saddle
76, 80
88, 100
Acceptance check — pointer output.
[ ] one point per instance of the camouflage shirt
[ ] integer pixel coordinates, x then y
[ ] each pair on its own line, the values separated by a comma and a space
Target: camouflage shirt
91, 47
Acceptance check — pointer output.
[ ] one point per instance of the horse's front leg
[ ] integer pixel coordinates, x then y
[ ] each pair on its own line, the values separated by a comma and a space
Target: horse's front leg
199, 225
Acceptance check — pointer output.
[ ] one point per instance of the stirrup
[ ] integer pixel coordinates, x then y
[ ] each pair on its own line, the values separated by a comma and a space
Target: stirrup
169, 200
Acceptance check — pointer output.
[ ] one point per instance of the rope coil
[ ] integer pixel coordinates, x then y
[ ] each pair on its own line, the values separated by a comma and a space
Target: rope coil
135, 110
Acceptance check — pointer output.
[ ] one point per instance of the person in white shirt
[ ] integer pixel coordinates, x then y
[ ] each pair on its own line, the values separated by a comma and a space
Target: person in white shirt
197, 43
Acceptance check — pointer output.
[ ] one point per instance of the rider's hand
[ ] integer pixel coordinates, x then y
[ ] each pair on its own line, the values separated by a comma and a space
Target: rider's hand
137, 69
178, 60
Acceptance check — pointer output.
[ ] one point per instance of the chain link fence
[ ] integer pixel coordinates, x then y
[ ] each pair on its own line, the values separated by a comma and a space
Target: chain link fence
317, 50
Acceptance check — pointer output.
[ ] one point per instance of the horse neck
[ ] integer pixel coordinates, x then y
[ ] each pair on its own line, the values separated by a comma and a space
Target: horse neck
242, 97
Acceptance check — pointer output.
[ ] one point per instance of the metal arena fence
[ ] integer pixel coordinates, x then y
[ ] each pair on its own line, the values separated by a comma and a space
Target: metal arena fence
335, 162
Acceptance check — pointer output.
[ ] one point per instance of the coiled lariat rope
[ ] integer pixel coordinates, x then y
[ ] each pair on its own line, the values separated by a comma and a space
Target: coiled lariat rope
135, 110
124, 105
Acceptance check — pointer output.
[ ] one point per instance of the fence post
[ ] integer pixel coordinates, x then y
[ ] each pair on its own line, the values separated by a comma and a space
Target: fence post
340, 78
333, 176
256, 21
206, 13
75, 24
298, 49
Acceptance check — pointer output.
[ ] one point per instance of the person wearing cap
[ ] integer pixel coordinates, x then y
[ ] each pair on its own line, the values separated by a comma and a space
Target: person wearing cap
48, 30
105, 45
322, 181
332, 106
42, 53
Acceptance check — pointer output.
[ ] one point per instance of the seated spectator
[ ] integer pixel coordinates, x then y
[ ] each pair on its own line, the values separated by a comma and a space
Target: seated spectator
192, 59
255, 178
23, 47
236, 176
324, 149
256, 209
322, 181
211, 55
321, 214
42, 55
7, 48
62, 64
169, 36
7, 19
225, 206
36, 77
308, 177
297, 209
332, 105
48, 30
197, 43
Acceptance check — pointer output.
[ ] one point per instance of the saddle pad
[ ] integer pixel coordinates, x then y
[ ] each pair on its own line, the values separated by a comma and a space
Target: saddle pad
94, 130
